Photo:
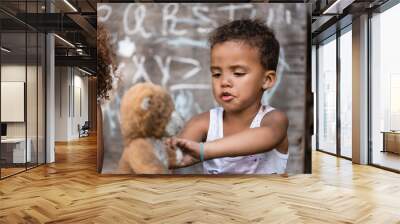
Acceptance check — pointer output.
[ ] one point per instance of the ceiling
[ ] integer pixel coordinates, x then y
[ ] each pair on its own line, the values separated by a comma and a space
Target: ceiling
72, 20
332, 15
75, 21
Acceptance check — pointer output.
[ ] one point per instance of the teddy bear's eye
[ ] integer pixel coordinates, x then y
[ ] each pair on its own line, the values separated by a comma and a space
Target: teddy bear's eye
145, 103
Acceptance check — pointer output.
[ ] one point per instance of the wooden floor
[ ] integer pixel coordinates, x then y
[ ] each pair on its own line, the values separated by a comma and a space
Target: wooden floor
10, 171
70, 191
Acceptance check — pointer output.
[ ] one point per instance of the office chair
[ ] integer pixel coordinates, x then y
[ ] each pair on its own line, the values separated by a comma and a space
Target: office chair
84, 130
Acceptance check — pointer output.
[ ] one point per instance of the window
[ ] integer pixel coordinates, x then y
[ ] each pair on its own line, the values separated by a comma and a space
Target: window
327, 96
346, 93
385, 88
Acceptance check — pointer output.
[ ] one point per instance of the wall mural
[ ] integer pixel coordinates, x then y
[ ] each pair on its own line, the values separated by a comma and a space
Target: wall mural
166, 44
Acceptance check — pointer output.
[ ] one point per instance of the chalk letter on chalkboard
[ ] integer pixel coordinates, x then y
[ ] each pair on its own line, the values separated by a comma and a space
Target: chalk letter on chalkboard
184, 101
192, 61
189, 86
171, 16
270, 17
112, 116
288, 17
140, 70
205, 20
103, 17
164, 68
140, 13
126, 47
231, 8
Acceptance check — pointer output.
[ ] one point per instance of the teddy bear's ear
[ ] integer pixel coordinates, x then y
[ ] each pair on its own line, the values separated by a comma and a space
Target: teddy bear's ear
145, 103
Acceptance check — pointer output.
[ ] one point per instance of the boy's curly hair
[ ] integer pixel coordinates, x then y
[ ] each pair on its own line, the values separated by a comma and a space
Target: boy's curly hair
105, 63
253, 32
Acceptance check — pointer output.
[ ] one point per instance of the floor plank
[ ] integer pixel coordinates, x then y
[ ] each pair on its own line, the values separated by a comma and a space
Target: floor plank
70, 191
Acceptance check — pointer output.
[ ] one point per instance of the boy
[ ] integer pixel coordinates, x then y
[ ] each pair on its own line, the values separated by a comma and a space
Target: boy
242, 136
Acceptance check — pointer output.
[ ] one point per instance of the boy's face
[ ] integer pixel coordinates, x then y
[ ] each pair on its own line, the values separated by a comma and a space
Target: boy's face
238, 78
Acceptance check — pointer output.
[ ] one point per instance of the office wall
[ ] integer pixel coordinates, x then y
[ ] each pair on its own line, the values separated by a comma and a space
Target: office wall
71, 102
92, 107
80, 104
61, 103
12, 98
12, 73
25, 61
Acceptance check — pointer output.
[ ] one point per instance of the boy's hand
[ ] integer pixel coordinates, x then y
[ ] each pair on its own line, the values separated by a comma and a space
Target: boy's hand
188, 146
188, 156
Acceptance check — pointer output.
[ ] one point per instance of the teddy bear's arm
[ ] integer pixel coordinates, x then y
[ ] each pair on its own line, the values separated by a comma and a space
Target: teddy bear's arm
140, 157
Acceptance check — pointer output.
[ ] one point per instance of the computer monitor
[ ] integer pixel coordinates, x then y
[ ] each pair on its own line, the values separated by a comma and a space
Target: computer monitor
3, 129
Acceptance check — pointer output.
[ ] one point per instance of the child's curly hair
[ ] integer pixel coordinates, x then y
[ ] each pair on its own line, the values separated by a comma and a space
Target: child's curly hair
253, 32
105, 63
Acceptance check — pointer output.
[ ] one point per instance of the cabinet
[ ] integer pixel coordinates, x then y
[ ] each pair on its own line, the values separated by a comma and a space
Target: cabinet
391, 141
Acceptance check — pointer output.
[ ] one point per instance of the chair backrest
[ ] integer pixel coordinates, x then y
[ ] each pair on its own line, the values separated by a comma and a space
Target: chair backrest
86, 125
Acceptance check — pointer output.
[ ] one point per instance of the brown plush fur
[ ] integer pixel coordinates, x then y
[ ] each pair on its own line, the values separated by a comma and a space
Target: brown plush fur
138, 157
144, 114
139, 123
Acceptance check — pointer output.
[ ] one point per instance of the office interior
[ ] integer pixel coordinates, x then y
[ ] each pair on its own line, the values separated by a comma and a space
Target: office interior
356, 84
48, 82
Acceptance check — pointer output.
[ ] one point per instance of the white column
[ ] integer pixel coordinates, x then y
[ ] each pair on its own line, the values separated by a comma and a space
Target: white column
314, 92
360, 90
50, 94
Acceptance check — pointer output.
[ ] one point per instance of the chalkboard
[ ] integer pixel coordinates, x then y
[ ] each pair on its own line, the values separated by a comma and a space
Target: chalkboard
167, 44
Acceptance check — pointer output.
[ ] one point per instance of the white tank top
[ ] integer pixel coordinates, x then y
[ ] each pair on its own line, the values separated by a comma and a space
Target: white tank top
263, 163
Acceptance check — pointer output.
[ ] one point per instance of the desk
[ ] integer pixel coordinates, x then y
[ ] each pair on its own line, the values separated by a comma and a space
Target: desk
16, 148
391, 141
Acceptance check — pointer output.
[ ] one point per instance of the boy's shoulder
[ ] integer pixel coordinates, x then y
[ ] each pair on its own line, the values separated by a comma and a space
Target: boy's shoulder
202, 119
196, 128
275, 117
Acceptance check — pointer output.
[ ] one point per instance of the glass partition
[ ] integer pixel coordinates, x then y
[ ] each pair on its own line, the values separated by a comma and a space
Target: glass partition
327, 96
22, 89
346, 93
13, 95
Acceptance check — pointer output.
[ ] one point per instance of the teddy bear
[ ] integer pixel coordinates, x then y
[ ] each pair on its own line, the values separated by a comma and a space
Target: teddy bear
147, 117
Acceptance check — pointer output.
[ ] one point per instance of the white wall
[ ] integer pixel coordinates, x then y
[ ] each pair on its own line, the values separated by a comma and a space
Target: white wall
33, 126
16, 73
12, 73
70, 83
61, 103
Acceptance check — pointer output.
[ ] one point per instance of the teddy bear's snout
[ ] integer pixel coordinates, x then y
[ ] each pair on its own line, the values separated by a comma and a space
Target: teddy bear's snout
145, 103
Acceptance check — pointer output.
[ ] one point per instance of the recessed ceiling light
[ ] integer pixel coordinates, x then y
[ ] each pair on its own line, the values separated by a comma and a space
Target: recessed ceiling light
338, 6
86, 72
64, 40
70, 5
5, 49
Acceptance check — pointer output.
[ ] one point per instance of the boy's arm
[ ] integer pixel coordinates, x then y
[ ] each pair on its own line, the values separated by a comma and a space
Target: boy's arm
196, 128
272, 131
